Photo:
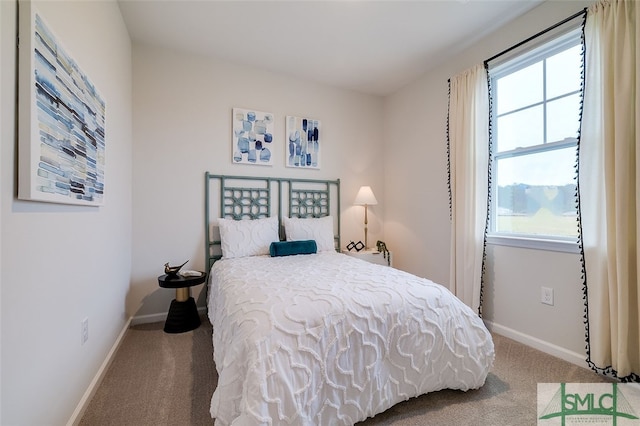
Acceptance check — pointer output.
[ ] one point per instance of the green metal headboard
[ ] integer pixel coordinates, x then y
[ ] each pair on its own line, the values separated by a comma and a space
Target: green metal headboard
251, 197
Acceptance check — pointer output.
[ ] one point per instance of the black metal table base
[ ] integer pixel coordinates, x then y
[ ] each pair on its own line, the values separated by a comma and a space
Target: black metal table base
183, 316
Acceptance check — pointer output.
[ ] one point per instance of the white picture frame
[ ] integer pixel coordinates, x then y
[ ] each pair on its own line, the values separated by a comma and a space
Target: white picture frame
61, 136
303, 146
252, 141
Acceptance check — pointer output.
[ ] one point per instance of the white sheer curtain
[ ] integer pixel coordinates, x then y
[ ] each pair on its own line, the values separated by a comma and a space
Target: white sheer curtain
609, 181
468, 174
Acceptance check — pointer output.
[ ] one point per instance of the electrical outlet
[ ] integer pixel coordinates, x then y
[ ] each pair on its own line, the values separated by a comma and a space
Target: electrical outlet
546, 296
84, 331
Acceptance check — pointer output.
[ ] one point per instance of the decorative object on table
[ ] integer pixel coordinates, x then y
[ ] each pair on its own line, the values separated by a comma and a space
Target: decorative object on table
188, 273
172, 271
365, 198
61, 153
303, 142
252, 137
382, 248
355, 246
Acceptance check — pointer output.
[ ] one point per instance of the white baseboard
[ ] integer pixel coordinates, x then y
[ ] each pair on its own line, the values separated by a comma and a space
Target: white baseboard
161, 317
148, 319
93, 386
541, 345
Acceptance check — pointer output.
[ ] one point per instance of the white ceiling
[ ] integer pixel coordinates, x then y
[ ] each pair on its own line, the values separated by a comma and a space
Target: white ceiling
370, 46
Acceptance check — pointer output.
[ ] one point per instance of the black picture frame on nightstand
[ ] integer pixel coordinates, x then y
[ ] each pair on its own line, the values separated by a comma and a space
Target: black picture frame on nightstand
183, 313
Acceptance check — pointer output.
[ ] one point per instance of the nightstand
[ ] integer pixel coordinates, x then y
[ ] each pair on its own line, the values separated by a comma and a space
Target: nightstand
372, 256
183, 313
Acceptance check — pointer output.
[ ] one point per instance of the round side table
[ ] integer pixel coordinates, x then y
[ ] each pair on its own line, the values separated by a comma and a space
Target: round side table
183, 313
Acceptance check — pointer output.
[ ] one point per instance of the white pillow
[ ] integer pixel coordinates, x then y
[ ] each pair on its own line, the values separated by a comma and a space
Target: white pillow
318, 229
241, 238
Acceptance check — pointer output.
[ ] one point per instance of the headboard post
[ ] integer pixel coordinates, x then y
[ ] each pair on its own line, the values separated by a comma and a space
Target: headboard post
207, 226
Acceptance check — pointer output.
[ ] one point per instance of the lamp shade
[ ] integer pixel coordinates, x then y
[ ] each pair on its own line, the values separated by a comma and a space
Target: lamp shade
365, 197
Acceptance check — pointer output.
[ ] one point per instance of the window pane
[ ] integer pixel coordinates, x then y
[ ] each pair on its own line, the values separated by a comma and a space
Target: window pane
536, 104
520, 129
563, 118
563, 72
520, 89
536, 194
554, 167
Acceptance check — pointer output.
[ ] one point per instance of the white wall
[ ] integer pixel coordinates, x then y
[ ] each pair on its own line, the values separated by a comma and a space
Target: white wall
61, 263
182, 128
417, 204
4, 46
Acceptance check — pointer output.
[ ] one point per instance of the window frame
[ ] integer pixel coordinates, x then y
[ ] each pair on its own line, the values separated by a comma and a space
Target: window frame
569, 37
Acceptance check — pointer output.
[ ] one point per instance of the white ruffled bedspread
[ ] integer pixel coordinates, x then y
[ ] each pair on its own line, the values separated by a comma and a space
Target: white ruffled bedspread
328, 339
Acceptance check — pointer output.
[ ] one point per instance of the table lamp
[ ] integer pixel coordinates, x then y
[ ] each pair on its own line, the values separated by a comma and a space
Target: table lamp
365, 198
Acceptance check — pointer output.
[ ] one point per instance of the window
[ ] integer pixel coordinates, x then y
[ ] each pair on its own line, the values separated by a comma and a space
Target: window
535, 121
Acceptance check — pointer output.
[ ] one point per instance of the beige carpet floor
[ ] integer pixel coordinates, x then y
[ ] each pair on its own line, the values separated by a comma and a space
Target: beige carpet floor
168, 379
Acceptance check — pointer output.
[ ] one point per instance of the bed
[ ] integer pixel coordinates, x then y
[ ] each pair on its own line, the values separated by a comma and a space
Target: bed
321, 338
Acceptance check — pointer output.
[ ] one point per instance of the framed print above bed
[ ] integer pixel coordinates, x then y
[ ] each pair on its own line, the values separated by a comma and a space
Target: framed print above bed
303, 143
61, 148
252, 137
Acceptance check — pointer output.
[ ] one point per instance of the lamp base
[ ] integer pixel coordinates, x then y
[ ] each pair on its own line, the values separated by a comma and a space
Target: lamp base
366, 239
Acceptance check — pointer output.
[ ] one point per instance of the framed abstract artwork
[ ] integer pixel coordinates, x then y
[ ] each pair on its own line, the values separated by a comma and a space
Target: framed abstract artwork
252, 141
303, 143
61, 139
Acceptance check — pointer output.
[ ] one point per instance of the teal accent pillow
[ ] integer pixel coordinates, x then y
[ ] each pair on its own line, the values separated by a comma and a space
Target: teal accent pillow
290, 248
